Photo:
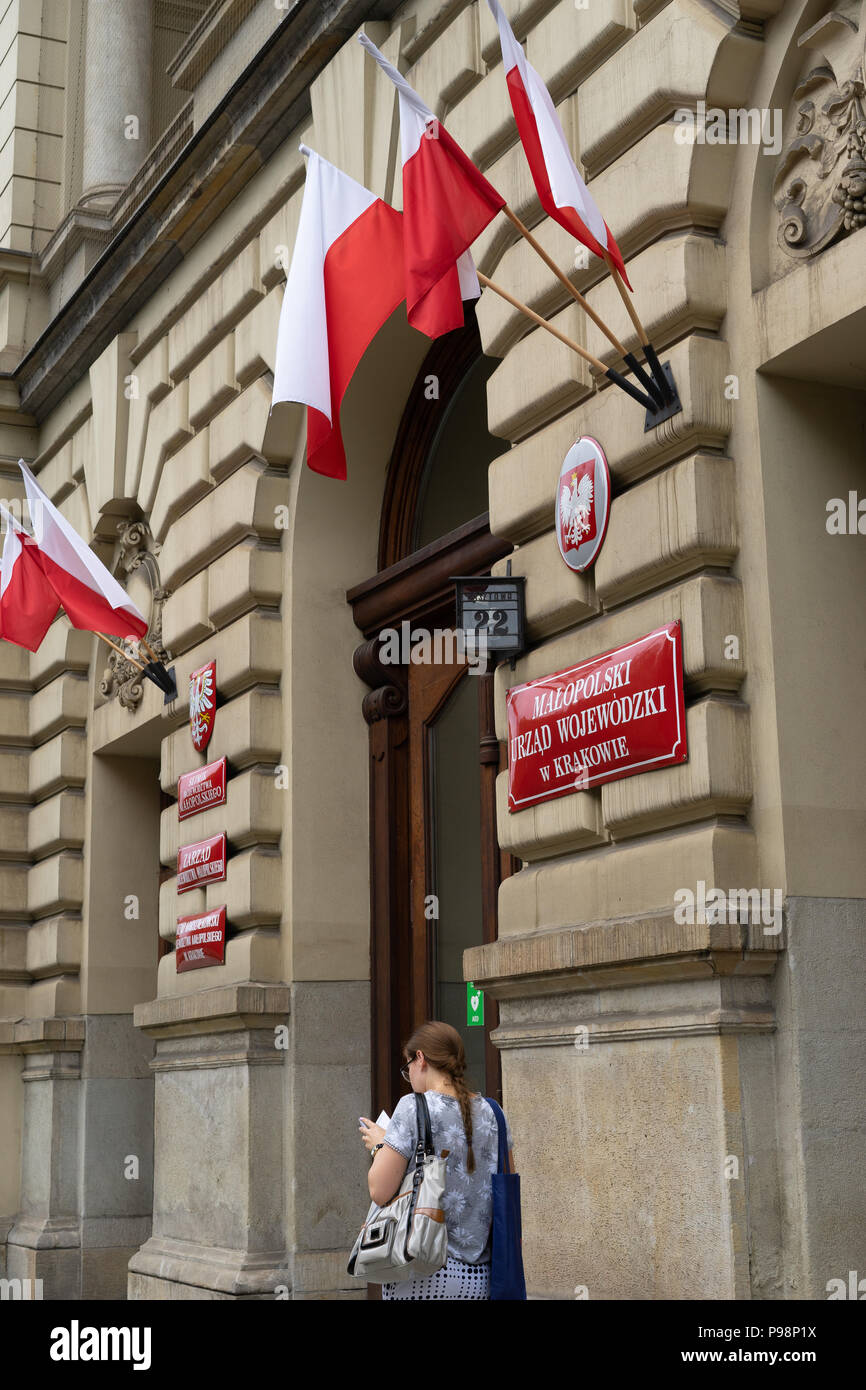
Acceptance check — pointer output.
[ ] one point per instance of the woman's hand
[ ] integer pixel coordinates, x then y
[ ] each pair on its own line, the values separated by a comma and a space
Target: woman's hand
373, 1134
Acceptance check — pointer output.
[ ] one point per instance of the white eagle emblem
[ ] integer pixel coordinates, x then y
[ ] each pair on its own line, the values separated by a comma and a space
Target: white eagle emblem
202, 703
575, 509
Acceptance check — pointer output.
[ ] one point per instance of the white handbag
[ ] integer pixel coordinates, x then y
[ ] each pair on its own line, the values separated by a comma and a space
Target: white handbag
407, 1237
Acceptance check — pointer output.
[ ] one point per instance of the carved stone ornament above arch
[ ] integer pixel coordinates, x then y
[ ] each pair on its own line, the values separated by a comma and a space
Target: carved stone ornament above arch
138, 554
820, 186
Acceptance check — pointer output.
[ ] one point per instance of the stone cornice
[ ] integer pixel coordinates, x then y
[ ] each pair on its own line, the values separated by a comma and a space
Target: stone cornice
269, 99
18, 266
42, 1035
206, 42
628, 952
225, 1008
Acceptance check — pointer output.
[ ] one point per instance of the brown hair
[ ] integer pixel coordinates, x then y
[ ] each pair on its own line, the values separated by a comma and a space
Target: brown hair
443, 1048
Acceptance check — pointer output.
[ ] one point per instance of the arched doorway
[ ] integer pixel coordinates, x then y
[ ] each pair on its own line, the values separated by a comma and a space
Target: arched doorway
434, 755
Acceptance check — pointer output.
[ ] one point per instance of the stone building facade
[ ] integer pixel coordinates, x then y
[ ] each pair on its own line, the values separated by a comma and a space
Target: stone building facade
193, 1135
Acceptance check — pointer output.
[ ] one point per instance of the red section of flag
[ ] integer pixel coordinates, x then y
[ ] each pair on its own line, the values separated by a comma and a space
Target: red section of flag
447, 203
363, 286
85, 607
29, 604
566, 217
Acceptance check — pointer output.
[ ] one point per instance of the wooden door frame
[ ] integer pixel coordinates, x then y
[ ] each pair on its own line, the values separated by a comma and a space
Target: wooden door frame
416, 589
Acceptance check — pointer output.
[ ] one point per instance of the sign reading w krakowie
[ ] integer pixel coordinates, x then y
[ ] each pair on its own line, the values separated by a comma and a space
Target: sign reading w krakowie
612, 716
198, 790
201, 940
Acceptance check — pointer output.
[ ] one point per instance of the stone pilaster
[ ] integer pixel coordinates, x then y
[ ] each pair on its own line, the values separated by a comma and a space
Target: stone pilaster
219, 1120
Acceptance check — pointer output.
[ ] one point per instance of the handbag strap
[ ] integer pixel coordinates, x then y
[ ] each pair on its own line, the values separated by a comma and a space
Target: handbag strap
425, 1133
502, 1166
425, 1140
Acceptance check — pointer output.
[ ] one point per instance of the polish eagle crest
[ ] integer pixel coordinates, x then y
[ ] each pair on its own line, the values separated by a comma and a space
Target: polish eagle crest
576, 513
202, 705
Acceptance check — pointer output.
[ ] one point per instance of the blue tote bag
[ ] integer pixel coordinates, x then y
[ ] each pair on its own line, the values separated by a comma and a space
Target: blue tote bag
506, 1263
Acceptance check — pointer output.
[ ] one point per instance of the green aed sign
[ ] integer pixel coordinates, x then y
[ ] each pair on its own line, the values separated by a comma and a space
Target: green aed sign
474, 1006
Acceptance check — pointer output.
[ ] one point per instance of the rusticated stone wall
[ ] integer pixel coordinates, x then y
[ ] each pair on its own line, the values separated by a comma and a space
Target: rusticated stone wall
679, 1094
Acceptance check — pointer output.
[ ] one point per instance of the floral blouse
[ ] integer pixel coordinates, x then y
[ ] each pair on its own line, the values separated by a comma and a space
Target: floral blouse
468, 1201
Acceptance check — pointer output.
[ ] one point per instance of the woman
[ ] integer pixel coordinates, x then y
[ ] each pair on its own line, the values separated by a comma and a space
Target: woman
465, 1125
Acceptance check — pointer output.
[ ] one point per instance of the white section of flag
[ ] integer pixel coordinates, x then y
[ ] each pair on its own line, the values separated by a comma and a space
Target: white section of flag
332, 202
12, 548
566, 185
62, 544
415, 114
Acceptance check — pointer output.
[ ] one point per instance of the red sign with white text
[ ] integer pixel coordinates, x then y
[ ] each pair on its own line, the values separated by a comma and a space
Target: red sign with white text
196, 791
612, 716
204, 862
201, 940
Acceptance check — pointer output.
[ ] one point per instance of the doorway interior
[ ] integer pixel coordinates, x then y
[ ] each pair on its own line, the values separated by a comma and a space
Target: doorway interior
434, 756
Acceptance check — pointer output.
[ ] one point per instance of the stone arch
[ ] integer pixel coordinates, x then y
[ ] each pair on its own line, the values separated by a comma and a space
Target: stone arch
333, 543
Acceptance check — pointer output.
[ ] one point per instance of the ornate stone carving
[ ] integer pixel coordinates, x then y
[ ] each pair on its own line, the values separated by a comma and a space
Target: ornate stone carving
820, 187
138, 550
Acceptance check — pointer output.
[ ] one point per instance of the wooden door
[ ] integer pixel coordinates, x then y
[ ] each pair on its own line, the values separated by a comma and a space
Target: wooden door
454, 862
407, 708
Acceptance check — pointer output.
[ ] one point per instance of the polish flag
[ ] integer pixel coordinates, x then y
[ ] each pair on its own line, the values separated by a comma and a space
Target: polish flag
447, 203
28, 604
561, 191
91, 597
345, 280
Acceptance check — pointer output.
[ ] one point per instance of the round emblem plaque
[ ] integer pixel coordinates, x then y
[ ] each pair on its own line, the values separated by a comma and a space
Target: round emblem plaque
582, 504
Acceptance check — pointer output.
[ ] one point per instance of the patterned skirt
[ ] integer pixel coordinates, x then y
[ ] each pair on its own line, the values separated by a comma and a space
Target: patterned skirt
457, 1279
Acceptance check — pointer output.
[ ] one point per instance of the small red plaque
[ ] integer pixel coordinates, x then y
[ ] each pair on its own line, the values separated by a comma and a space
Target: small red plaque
203, 862
196, 791
201, 940
612, 716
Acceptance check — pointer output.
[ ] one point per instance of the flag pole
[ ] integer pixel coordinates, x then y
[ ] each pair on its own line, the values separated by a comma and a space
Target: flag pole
647, 401
154, 670
120, 651
630, 360
648, 349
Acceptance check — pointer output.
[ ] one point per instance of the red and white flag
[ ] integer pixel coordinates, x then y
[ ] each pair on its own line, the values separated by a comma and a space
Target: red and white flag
28, 603
345, 280
91, 597
561, 190
447, 203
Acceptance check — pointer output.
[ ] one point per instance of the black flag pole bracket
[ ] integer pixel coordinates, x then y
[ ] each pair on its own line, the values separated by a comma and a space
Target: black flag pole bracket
672, 405
164, 680
651, 387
